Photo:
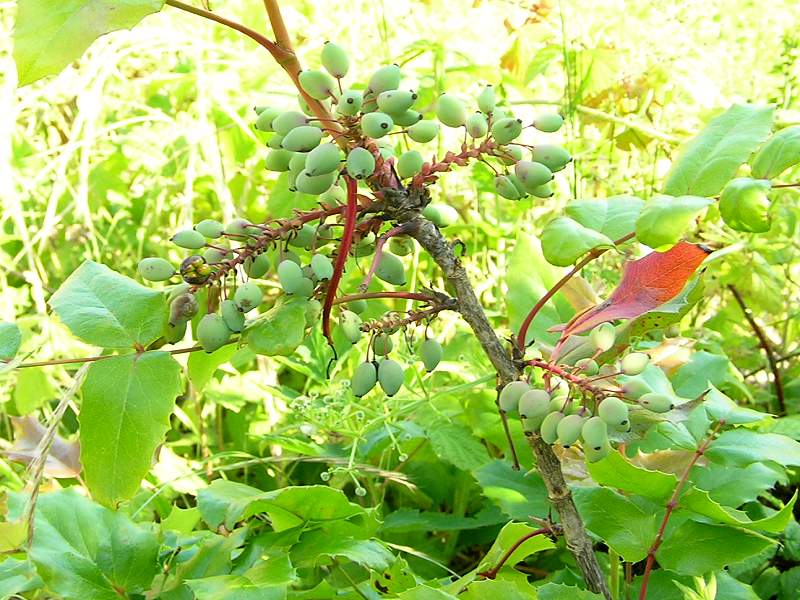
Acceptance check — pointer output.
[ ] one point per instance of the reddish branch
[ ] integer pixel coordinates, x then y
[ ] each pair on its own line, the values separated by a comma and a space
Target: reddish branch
350, 214
766, 346
672, 504
582, 382
593, 254
492, 573
399, 230
430, 171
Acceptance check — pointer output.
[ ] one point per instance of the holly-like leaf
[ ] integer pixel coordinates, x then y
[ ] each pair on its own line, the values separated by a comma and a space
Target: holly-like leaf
10, 340
720, 407
617, 472
506, 539
614, 217
107, 309
62, 458
744, 204
710, 159
49, 35
743, 446
564, 241
517, 494
127, 401
234, 587
280, 330
778, 153
665, 219
82, 550
700, 502
646, 284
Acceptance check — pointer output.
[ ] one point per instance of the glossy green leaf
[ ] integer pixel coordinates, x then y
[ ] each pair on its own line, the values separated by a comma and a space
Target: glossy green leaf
508, 536
617, 472
406, 520
17, 577
721, 408
127, 401
82, 550
234, 587
700, 502
614, 217
666, 219
320, 545
455, 444
50, 35
280, 330
10, 340
107, 309
744, 446
202, 365
744, 204
517, 494
779, 152
696, 548
703, 368
623, 525
734, 487
565, 240
498, 588
711, 159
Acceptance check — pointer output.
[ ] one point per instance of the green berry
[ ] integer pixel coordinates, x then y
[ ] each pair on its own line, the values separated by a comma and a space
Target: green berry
266, 118
239, 227
603, 337
232, 316
214, 255
587, 366
248, 296
210, 228
212, 333
595, 433
549, 123
635, 387
155, 269
409, 164
634, 363
333, 195
290, 276
569, 429
323, 159
532, 174
298, 162
659, 403
315, 186
278, 160
289, 120
554, 158
510, 155
335, 60
382, 344
176, 290
358, 306
450, 111
376, 124
486, 100
614, 412
302, 139
534, 404
407, 118
506, 130
182, 308
189, 238
349, 103
322, 267
390, 376
506, 187
441, 215
360, 163
430, 351
510, 395
424, 131
175, 333
313, 311
317, 84
477, 125
593, 455
396, 101
542, 191
350, 323
391, 269
364, 379
385, 78
549, 428
257, 267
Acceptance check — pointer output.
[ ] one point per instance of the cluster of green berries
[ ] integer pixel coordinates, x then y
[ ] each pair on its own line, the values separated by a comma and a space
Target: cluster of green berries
561, 419
365, 115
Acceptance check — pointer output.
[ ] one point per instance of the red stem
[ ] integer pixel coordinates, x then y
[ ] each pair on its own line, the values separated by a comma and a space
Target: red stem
350, 214
492, 573
523, 330
379, 253
671, 505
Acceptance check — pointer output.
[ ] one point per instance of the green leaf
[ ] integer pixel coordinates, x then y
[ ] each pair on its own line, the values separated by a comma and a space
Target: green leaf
18, 576
721, 408
455, 444
702, 370
510, 534
127, 401
10, 340
665, 219
201, 365
528, 277
711, 159
517, 494
734, 487
781, 151
498, 588
407, 520
697, 548
234, 587
82, 550
614, 217
564, 241
32, 389
700, 502
50, 35
743, 446
615, 471
621, 524
229, 502
744, 204
280, 330
561, 591
320, 543
107, 309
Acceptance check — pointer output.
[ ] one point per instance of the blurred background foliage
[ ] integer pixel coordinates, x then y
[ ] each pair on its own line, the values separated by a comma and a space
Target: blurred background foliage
152, 130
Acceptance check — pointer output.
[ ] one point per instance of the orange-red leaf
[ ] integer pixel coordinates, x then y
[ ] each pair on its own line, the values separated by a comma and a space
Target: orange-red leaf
646, 284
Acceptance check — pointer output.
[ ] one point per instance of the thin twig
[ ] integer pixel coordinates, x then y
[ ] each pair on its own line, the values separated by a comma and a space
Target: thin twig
672, 504
492, 573
766, 346
89, 359
376, 259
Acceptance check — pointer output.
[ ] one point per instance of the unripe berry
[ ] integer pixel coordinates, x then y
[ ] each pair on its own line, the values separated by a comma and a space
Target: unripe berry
349, 103
382, 344
155, 269
391, 269
360, 163
450, 111
322, 267
210, 228
257, 267
554, 158
635, 363
212, 333
569, 429
189, 238
486, 100
317, 84
658, 403
506, 130
248, 296
287, 121
511, 394
424, 131
233, 317
549, 122
549, 428
441, 215
364, 379
477, 125
376, 124
390, 376
409, 164
323, 159
430, 351
335, 60
385, 78
603, 336
614, 412
534, 404
350, 323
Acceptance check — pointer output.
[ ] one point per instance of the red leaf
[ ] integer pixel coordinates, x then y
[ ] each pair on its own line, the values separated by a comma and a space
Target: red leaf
646, 284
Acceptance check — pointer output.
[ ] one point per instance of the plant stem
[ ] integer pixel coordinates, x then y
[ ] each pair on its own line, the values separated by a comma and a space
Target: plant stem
613, 576
88, 359
672, 504
593, 254
492, 573
400, 229
766, 346
377, 295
